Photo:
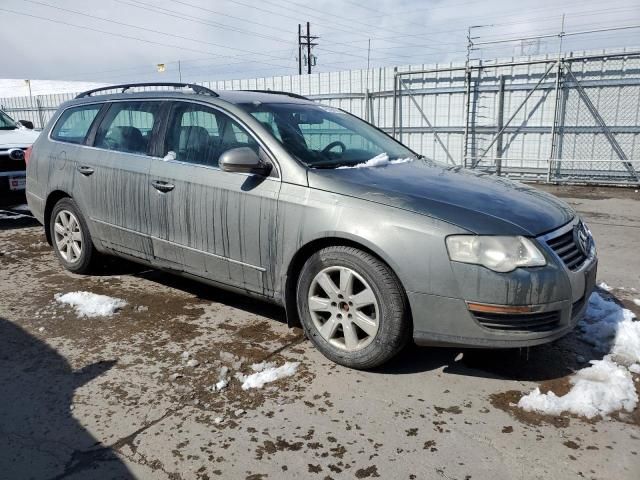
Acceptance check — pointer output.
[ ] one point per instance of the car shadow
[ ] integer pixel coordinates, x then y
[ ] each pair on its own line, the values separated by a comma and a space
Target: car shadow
39, 436
540, 363
12, 219
211, 293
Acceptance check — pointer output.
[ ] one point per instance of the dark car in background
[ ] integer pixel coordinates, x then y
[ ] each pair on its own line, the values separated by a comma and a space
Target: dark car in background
15, 139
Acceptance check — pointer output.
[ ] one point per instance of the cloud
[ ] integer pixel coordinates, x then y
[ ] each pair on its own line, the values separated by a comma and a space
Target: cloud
246, 38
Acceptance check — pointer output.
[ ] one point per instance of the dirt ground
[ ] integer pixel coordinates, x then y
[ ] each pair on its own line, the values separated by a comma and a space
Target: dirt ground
114, 398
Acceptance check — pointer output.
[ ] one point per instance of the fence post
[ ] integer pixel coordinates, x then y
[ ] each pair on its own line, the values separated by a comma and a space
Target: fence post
467, 113
554, 127
39, 105
395, 100
500, 125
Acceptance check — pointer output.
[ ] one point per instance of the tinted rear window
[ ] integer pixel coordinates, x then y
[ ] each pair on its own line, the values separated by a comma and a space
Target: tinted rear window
74, 124
127, 126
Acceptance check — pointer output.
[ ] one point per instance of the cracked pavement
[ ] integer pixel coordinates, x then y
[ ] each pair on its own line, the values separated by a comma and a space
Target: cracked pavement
113, 397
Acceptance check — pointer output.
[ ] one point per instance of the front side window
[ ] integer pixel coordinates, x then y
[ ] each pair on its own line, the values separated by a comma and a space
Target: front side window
325, 137
74, 124
127, 127
199, 134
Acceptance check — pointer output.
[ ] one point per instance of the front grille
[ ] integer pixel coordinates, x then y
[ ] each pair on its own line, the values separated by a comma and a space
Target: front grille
568, 250
9, 165
521, 323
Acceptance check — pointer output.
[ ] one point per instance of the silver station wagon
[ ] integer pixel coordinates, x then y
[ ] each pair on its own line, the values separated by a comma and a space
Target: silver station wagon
365, 243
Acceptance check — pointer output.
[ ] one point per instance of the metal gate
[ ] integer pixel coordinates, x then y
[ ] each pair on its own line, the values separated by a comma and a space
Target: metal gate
571, 119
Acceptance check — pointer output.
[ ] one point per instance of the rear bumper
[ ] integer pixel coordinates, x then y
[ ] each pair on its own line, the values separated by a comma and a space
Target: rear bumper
446, 321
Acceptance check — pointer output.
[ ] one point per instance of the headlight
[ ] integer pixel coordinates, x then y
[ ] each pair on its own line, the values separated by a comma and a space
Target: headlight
500, 254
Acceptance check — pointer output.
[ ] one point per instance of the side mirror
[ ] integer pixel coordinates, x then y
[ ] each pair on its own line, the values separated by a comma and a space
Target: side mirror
26, 123
244, 160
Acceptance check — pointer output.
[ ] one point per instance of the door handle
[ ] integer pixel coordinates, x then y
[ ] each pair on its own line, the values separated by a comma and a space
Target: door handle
86, 171
161, 186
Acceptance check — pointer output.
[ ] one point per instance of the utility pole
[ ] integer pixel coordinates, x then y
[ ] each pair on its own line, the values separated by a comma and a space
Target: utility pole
299, 49
305, 41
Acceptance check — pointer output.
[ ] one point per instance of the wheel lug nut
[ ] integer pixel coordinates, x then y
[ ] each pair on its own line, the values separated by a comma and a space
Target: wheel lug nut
349, 315
339, 315
351, 304
334, 304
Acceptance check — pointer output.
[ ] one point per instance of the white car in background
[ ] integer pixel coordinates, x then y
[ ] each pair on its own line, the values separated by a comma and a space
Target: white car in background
15, 139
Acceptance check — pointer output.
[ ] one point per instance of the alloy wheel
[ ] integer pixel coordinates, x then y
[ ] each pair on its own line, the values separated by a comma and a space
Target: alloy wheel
68, 236
344, 308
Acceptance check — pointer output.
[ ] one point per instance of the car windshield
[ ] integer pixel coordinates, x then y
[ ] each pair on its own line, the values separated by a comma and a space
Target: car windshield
325, 137
6, 123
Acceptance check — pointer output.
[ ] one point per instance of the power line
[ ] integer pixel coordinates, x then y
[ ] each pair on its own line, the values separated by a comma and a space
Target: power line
149, 7
138, 27
129, 37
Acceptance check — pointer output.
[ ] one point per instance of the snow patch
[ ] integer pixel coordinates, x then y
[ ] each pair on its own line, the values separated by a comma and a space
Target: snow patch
7, 215
611, 328
607, 385
268, 374
381, 160
636, 301
87, 304
223, 381
604, 286
600, 389
259, 367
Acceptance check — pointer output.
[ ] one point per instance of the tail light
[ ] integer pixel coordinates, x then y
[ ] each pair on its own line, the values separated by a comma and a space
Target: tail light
27, 155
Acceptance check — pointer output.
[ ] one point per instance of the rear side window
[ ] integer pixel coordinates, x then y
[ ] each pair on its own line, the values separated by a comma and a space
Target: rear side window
127, 127
74, 124
198, 134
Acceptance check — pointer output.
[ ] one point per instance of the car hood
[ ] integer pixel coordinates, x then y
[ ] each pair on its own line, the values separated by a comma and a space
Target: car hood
481, 203
21, 137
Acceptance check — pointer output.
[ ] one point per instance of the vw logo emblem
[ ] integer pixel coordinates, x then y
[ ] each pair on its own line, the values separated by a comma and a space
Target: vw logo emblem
16, 154
583, 238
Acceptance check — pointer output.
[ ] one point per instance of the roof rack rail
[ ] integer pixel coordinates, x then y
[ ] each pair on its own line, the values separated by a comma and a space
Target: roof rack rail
279, 92
198, 89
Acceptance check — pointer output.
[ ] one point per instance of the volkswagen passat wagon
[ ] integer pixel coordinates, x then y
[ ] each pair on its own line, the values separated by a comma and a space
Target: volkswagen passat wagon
365, 243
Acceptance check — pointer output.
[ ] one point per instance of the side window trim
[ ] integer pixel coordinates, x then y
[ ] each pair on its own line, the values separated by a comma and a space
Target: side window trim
158, 134
91, 136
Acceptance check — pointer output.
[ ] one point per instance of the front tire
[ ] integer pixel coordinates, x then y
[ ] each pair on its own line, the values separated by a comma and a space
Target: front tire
70, 237
352, 307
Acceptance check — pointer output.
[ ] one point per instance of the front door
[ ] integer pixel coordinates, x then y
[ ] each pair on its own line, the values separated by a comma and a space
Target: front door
211, 223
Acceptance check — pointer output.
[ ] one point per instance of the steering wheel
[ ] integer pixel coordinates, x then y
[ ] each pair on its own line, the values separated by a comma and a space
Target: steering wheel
332, 145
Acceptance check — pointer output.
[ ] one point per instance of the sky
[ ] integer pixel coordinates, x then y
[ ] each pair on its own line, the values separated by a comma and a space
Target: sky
116, 41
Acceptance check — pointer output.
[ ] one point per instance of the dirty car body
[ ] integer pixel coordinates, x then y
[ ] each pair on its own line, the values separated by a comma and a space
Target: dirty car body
436, 232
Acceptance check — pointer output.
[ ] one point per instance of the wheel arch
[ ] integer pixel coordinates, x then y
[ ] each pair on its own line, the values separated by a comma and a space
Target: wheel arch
305, 251
53, 198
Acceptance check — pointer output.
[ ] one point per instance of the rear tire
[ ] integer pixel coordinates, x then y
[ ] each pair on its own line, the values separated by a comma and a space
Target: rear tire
70, 237
352, 307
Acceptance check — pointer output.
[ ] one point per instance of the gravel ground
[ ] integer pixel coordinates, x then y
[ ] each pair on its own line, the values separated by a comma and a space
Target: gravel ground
116, 397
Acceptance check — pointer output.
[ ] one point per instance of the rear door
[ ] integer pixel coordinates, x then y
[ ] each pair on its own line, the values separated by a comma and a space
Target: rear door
205, 221
113, 176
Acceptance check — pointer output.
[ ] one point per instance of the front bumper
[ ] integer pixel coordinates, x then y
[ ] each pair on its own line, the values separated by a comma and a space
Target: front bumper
557, 295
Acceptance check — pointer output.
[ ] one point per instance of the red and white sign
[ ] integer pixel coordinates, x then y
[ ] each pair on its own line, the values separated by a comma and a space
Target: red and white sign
17, 183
